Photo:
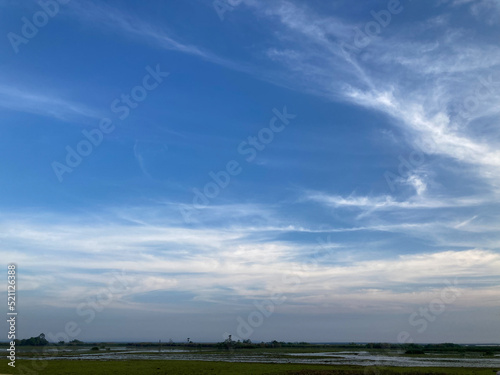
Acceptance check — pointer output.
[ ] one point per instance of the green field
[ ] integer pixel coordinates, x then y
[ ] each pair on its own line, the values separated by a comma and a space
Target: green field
156, 367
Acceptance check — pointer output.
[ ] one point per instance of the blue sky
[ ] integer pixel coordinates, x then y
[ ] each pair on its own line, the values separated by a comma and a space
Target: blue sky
335, 162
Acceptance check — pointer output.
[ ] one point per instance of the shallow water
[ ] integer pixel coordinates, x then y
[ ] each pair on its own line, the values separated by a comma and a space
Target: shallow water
360, 358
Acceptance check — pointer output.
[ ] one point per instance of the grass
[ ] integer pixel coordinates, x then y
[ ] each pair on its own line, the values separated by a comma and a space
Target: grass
158, 367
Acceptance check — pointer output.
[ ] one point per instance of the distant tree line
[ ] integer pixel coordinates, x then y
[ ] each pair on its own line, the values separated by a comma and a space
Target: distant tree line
230, 344
436, 348
40, 340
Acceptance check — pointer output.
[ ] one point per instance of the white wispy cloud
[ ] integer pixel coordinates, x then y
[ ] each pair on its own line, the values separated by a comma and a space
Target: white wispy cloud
124, 23
426, 86
435, 134
418, 183
388, 202
201, 260
15, 98
484, 10
416, 82
466, 222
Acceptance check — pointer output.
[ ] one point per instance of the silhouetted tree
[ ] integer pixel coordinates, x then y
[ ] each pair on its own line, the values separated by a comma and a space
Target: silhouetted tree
34, 341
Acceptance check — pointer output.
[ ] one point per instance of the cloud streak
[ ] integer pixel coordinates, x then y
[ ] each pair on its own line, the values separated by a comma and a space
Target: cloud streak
118, 21
29, 100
